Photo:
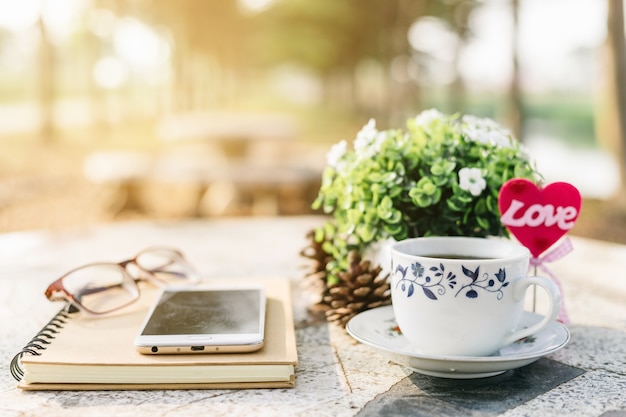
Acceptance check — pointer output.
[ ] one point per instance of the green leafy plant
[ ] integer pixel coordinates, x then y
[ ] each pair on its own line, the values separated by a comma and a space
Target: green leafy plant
441, 175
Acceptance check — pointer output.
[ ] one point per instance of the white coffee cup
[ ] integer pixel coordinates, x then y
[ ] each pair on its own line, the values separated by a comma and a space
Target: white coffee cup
464, 296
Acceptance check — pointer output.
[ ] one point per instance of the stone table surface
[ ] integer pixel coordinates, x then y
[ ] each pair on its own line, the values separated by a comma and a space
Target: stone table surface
336, 376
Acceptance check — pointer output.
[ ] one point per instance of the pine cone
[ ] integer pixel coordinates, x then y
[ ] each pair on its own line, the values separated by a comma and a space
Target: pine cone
319, 257
360, 288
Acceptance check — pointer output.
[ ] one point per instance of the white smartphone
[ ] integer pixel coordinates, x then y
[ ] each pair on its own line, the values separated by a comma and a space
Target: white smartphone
204, 320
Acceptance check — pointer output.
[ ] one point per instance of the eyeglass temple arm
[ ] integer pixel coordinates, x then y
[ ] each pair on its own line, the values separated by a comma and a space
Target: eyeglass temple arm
162, 270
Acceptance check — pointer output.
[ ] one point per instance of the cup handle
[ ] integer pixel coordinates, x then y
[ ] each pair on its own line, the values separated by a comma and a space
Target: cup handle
519, 293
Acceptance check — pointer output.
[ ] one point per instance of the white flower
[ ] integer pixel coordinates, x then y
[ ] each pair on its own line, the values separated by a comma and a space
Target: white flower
471, 179
524, 153
426, 117
337, 151
369, 140
486, 131
366, 136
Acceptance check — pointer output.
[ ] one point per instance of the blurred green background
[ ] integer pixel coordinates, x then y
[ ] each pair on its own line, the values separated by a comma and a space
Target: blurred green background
114, 110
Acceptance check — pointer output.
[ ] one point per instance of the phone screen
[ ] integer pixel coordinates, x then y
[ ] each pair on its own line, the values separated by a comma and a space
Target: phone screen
204, 320
205, 312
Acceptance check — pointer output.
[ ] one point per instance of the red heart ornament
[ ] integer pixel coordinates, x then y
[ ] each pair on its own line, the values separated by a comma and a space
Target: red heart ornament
538, 217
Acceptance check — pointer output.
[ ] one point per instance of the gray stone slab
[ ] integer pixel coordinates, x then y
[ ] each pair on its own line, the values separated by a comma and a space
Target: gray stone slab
614, 413
420, 395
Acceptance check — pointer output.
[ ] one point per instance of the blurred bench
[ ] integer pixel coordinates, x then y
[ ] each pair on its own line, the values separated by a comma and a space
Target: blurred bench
196, 185
233, 134
124, 173
241, 188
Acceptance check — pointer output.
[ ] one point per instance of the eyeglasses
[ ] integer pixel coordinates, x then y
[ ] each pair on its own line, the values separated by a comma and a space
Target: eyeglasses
101, 288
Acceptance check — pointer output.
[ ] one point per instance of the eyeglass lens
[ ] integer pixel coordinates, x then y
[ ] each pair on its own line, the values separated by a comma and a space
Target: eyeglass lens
101, 288
167, 266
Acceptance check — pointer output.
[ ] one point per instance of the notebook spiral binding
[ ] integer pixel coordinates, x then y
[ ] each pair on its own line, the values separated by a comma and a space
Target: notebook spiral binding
41, 339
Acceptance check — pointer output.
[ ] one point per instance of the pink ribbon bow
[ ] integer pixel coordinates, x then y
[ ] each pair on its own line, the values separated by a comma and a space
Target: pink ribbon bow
539, 262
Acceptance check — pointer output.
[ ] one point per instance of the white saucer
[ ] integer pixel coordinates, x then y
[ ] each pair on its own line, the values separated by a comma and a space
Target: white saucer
377, 328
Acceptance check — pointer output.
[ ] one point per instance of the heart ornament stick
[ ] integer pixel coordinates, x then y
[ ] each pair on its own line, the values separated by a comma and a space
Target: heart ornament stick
539, 217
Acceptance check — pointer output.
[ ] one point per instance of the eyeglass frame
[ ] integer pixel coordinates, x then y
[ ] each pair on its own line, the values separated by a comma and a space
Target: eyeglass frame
56, 291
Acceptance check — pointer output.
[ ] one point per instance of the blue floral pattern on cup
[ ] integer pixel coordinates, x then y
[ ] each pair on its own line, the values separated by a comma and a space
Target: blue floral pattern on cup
436, 281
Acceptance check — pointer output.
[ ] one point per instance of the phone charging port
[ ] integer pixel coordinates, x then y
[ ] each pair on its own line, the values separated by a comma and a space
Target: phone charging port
197, 348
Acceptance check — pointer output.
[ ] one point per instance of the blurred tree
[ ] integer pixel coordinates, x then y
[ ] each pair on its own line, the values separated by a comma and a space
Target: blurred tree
211, 47
218, 46
403, 97
515, 109
332, 38
46, 85
457, 14
614, 114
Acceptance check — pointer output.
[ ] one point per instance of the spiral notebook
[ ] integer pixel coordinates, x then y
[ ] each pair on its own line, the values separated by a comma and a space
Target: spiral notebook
75, 352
